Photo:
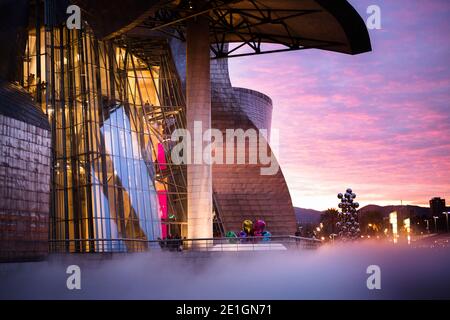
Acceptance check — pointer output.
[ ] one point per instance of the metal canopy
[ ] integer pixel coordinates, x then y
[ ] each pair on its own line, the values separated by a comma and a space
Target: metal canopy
332, 25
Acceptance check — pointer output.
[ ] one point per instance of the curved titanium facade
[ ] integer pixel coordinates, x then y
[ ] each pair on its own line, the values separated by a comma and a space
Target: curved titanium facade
25, 142
240, 191
257, 106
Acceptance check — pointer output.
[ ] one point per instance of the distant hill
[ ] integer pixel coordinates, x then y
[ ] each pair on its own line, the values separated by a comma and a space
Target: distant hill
385, 210
307, 215
313, 216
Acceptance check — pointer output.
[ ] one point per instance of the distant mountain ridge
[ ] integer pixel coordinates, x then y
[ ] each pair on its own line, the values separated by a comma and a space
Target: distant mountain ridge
313, 216
386, 210
307, 215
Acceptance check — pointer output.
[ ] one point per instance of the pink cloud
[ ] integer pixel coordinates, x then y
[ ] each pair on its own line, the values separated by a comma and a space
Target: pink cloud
378, 122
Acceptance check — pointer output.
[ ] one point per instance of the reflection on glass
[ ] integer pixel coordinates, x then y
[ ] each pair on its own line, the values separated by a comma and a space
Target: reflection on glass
111, 115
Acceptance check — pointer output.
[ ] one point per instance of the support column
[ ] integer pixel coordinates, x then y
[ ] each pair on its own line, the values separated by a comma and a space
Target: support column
198, 109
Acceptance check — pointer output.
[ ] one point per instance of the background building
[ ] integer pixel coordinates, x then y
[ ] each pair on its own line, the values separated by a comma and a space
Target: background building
437, 207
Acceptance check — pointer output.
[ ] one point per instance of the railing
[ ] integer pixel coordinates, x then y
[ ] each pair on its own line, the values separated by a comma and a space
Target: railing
272, 243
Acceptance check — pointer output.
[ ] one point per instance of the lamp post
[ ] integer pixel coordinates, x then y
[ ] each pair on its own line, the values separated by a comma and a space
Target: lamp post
332, 236
435, 223
446, 218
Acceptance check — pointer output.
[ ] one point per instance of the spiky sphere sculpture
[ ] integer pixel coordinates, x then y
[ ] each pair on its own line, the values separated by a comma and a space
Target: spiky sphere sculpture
348, 225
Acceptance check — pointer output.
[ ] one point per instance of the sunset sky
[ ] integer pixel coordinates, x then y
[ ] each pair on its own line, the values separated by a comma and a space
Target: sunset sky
377, 122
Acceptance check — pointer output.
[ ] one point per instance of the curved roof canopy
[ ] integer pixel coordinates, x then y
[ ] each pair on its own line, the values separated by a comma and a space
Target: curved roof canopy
332, 25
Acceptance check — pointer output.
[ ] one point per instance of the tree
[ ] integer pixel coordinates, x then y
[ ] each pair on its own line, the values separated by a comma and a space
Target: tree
328, 219
371, 222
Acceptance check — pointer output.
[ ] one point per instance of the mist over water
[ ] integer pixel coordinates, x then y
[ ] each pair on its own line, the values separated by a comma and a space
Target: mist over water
330, 272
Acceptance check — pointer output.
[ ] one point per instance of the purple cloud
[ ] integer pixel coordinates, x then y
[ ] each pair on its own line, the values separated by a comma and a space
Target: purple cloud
379, 122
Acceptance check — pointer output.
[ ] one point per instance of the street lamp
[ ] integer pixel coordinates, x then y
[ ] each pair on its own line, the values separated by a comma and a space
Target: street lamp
435, 224
332, 236
446, 218
428, 225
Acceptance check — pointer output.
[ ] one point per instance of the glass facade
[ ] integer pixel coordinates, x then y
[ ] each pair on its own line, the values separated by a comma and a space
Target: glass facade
112, 106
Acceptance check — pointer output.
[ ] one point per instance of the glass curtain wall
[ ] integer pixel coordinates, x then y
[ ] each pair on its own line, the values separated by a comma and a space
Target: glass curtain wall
112, 114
